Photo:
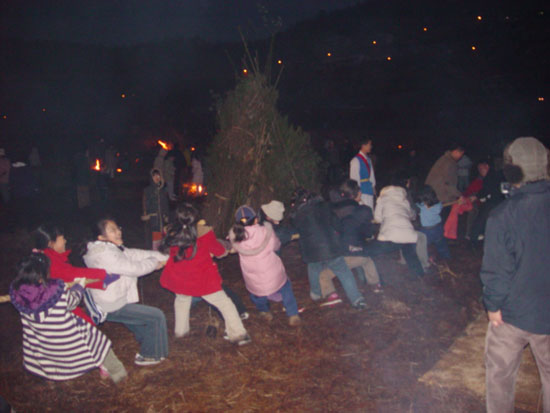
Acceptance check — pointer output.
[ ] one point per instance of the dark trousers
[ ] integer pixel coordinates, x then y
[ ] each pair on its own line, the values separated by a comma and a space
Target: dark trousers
409, 253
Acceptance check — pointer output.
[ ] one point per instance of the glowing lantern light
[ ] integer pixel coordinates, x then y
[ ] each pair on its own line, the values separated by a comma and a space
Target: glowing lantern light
123, 96
425, 29
164, 145
329, 54
245, 71
119, 170
97, 166
280, 61
540, 99
399, 146
479, 18
374, 42
474, 48
193, 148
388, 58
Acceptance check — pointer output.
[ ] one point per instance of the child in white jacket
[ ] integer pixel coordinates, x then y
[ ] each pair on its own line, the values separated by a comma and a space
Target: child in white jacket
120, 299
395, 214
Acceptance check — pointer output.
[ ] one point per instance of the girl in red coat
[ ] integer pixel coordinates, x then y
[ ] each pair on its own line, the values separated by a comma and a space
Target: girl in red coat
191, 272
50, 239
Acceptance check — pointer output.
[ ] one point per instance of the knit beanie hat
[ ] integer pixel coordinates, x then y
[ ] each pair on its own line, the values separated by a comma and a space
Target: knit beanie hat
531, 156
274, 210
245, 214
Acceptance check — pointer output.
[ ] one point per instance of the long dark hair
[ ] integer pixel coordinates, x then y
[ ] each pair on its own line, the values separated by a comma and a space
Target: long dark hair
182, 233
33, 269
427, 196
239, 228
45, 234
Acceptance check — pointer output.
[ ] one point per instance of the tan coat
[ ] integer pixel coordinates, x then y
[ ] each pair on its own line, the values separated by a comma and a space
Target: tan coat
443, 178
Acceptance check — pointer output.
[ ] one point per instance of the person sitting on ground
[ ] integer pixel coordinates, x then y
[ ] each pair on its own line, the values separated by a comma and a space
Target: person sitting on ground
263, 271
58, 345
191, 272
395, 215
51, 241
430, 220
320, 245
356, 228
119, 301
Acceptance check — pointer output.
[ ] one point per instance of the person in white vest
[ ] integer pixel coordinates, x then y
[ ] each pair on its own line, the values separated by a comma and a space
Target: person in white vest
361, 170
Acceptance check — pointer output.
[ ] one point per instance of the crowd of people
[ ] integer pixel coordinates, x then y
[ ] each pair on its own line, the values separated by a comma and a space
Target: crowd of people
338, 238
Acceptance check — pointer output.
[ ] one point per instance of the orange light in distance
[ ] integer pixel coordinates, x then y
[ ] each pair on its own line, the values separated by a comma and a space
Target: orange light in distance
164, 145
329, 54
479, 18
374, 42
97, 166
245, 71
425, 29
280, 61
540, 99
123, 96
119, 170
474, 48
399, 146
388, 58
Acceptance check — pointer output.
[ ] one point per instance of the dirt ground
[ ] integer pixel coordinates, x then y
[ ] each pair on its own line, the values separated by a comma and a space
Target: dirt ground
340, 359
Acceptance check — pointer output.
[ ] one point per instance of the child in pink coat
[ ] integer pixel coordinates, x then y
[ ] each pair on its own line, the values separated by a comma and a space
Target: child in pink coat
263, 271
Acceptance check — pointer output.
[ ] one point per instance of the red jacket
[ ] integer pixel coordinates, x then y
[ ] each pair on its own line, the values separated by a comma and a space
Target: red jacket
60, 268
198, 276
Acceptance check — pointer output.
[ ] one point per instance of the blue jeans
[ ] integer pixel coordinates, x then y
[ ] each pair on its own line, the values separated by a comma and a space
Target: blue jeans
341, 270
148, 325
289, 301
435, 236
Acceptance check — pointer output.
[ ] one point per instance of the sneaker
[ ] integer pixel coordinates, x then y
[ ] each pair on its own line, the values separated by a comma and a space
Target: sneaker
360, 304
243, 340
244, 316
332, 300
266, 315
294, 320
146, 361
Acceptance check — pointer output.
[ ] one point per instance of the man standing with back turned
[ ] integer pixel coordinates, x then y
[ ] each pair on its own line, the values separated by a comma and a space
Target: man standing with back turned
516, 275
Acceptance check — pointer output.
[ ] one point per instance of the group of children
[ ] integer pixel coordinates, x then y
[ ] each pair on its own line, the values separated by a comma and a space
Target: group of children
61, 341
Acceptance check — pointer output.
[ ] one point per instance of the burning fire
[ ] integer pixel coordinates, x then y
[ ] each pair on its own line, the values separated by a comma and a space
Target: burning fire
194, 190
97, 166
165, 145
119, 170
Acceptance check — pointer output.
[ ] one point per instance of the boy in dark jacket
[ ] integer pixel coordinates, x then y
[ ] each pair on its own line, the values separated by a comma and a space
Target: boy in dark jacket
514, 272
320, 244
155, 208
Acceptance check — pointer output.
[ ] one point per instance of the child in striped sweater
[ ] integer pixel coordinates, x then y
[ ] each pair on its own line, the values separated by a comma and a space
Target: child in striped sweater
57, 344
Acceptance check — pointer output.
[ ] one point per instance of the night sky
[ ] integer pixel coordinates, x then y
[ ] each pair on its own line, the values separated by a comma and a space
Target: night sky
403, 72
127, 22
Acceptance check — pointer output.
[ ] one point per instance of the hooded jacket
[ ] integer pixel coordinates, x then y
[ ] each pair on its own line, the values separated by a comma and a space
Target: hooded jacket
57, 345
155, 203
263, 271
130, 263
395, 214
318, 228
199, 275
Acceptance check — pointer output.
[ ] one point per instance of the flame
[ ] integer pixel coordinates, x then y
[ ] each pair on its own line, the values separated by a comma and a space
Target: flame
119, 170
164, 145
97, 166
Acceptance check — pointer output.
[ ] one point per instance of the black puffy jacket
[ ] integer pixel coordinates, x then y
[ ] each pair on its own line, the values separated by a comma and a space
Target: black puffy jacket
318, 228
356, 223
